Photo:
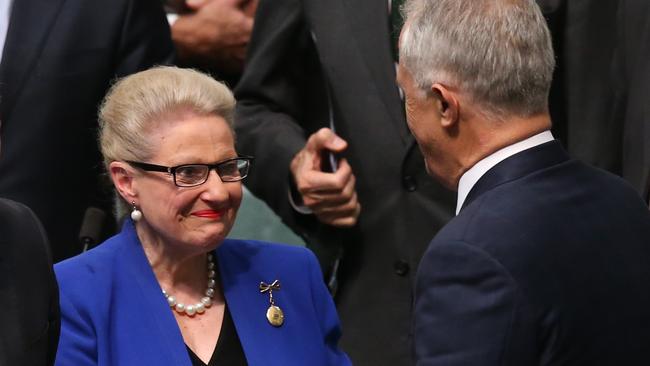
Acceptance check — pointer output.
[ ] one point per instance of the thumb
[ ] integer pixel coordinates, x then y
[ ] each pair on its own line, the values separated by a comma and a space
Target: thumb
325, 138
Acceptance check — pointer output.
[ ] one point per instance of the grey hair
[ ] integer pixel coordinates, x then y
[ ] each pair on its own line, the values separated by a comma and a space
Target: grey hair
497, 51
138, 104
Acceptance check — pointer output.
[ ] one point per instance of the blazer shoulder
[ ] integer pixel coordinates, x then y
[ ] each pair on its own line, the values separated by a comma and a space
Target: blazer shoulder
256, 248
95, 263
265, 258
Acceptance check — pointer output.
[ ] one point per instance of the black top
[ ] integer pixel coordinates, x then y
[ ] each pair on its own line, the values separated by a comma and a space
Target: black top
228, 351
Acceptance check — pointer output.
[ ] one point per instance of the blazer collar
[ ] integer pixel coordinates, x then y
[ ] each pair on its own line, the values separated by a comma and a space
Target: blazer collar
158, 317
240, 281
517, 166
29, 27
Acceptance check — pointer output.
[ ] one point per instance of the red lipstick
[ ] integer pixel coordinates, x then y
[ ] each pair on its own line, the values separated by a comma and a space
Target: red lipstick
208, 214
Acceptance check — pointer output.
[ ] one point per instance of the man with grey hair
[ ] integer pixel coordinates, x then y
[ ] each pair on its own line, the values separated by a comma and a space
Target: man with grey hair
546, 260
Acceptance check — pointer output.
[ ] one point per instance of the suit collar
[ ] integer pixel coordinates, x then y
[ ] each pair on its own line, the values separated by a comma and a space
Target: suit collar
29, 27
517, 166
470, 177
369, 22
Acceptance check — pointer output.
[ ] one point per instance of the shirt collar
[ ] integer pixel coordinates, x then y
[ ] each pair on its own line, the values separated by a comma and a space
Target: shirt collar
470, 177
5, 14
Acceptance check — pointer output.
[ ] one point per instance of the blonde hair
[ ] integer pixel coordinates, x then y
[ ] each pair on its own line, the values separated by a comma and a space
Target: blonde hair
138, 104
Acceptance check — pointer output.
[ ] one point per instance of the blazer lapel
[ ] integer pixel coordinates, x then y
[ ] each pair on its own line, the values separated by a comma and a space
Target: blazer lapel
369, 22
243, 298
29, 26
247, 305
162, 327
517, 166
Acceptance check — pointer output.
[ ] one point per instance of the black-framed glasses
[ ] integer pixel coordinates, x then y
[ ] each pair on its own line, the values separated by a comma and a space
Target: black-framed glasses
192, 175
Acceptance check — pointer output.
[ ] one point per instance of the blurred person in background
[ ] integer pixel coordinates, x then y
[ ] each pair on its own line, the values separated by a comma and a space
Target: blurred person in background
212, 35
581, 101
631, 80
57, 61
30, 315
319, 107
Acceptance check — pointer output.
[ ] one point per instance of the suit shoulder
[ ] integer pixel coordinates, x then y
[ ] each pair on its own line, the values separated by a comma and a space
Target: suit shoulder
22, 230
15, 214
524, 217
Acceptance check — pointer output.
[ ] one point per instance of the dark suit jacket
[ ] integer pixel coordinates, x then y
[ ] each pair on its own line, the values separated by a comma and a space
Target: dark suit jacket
581, 98
113, 311
304, 54
58, 60
30, 298
631, 76
546, 264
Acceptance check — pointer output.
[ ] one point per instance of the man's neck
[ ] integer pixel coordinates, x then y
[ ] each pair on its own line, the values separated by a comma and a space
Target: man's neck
492, 136
472, 176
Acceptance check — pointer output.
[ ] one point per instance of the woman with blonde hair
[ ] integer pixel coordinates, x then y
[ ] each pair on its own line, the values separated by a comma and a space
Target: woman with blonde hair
170, 289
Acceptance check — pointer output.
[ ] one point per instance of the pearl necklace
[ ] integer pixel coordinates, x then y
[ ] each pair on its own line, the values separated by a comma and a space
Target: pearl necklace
206, 301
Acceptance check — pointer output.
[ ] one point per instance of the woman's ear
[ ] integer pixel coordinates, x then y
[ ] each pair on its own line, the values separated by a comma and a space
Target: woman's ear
122, 177
448, 107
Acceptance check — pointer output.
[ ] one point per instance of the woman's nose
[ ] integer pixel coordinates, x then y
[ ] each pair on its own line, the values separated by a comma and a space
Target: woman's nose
215, 188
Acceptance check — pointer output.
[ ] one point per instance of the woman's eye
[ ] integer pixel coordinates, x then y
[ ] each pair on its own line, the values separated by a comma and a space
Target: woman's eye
190, 172
230, 169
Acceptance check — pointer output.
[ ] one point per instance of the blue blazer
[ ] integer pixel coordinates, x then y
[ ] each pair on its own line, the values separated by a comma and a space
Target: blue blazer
113, 311
548, 263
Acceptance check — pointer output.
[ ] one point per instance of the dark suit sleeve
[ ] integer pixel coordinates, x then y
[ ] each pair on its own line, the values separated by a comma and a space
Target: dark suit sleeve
271, 98
145, 38
464, 307
28, 288
54, 316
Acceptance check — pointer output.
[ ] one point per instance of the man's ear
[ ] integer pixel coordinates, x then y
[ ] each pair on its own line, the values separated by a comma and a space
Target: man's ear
448, 105
122, 177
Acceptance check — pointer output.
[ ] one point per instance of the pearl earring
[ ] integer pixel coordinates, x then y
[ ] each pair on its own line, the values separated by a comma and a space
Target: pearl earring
136, 214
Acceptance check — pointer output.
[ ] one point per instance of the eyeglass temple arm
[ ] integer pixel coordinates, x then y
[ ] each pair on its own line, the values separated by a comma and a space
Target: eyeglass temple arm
151, 167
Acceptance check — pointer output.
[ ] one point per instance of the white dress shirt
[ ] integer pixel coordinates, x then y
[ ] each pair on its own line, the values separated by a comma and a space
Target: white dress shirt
469, 179
5, 14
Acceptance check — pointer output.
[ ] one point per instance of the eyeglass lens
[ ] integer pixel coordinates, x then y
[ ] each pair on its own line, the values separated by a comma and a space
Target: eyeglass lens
228, 171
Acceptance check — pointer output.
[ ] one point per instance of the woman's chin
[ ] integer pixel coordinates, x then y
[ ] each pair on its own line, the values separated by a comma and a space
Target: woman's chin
204, 234
210, 239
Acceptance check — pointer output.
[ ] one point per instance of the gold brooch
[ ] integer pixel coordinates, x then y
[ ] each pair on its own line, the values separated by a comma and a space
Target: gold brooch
274, 314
